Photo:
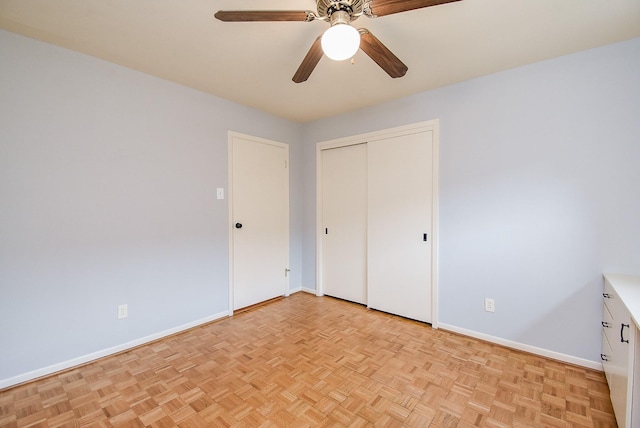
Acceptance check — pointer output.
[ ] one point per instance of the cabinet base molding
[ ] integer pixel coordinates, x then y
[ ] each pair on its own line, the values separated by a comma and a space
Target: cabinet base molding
570, 359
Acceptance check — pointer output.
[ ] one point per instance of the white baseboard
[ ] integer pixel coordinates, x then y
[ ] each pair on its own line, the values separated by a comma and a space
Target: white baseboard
294, 290
304, 290
595, 365
45, 371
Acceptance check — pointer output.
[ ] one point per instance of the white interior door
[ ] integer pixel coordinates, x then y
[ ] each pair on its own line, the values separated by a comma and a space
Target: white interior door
259, 203
400, 205
344, 217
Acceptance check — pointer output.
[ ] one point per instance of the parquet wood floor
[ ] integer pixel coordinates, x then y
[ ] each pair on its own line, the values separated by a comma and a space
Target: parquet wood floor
306, 361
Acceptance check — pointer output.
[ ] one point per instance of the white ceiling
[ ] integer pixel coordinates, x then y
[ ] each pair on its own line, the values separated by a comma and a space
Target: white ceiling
252, 63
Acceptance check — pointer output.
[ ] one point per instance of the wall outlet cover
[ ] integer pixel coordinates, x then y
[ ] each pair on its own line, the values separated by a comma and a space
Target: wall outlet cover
123, 311
489, 305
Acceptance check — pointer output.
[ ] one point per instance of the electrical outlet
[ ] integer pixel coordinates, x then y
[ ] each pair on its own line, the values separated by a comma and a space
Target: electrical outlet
122, 311
489, 305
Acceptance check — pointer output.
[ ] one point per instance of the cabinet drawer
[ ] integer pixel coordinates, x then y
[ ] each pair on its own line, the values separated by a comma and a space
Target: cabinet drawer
616, 314
608, 325
609, 296
612, 301
607, 358
617, 328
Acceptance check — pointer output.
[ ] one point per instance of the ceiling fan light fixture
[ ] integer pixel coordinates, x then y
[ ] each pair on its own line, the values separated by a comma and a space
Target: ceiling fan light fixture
341, 41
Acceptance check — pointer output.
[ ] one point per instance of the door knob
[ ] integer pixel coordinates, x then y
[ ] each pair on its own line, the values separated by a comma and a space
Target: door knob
238, 225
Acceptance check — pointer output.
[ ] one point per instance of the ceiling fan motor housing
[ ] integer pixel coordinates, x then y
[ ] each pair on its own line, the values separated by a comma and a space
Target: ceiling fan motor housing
340, 17
327, 8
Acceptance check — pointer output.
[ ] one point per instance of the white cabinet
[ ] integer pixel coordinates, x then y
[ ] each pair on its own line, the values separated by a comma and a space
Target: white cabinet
620, 358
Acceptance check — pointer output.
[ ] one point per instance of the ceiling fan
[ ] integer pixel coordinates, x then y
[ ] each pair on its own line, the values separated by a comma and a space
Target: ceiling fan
341, 41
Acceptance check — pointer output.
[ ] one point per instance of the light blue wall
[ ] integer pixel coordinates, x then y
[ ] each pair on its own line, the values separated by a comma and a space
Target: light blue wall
108, 195
539, 192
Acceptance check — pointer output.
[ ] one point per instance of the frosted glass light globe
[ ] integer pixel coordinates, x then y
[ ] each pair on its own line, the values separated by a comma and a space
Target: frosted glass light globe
340, 42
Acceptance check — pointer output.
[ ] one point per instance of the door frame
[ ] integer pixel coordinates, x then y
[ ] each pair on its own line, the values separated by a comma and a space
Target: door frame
230, 136
431, 125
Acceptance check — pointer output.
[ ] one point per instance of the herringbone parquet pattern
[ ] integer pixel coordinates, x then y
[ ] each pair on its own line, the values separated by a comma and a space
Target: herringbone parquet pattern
306, 361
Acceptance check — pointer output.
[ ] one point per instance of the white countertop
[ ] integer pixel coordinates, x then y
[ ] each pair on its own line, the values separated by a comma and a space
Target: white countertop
628, 288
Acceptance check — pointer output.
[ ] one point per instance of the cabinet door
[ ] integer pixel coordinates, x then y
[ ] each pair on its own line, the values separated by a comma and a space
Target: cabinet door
635, 376
400, 216
622, 351
619, 337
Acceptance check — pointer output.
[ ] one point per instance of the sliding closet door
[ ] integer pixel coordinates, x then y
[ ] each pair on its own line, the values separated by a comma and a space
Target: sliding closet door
344, 221
400, 204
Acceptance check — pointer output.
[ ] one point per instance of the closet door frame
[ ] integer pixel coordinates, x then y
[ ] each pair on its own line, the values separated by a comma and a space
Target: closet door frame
433, 126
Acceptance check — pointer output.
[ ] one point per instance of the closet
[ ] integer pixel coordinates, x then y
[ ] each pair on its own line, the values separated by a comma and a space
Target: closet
376, 222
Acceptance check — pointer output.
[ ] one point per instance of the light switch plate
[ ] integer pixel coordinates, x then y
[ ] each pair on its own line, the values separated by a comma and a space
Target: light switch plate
220, 193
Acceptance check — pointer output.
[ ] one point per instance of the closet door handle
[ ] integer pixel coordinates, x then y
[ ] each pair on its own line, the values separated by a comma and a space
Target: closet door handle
622, 339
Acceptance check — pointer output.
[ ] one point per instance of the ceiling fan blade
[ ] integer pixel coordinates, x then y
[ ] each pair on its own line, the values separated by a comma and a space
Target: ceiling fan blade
309, 62
388, 7
263, 15
381, 54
